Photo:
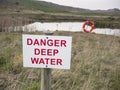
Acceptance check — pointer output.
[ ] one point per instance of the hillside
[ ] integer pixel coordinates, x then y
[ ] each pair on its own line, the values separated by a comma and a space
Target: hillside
22, 12
31, 5
50, 7
95, 64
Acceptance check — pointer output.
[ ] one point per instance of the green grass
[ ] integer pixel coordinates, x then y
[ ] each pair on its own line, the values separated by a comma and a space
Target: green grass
37, 5
95, 64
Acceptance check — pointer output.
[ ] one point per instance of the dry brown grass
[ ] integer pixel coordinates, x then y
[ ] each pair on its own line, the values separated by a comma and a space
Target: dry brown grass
95, 64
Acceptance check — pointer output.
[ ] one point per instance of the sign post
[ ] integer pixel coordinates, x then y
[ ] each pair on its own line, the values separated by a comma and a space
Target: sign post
46, 75
46, 79
46, 52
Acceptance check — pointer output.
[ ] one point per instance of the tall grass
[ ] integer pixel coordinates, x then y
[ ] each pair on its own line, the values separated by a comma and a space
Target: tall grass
11, 23
95, 64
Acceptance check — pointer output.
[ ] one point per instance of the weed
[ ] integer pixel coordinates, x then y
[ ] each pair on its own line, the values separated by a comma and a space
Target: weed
95, 64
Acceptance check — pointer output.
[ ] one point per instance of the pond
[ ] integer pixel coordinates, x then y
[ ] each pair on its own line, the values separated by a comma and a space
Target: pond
67, 26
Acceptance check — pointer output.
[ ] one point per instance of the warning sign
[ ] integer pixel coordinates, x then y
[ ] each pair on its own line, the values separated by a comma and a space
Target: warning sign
46, 51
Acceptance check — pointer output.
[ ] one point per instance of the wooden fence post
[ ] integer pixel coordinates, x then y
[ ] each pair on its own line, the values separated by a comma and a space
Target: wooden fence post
46, 73
45, 79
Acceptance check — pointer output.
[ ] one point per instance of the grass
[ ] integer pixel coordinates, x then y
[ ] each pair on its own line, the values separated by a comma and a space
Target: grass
21, 19
21, 12
37, 5
95, 64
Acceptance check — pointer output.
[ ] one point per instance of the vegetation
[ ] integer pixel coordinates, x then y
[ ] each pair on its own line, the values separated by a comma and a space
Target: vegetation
22, 12
95, 64
36, 5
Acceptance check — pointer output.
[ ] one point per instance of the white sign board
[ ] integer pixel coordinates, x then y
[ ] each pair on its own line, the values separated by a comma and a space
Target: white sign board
46, 51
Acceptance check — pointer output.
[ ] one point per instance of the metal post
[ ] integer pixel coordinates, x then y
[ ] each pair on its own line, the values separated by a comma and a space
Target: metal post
46, 73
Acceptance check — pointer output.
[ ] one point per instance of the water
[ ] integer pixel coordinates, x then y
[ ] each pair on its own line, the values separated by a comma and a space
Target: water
67, 26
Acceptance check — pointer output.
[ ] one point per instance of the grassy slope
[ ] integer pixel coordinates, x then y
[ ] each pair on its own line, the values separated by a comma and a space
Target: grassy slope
37, 5
95, 64
28, 11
